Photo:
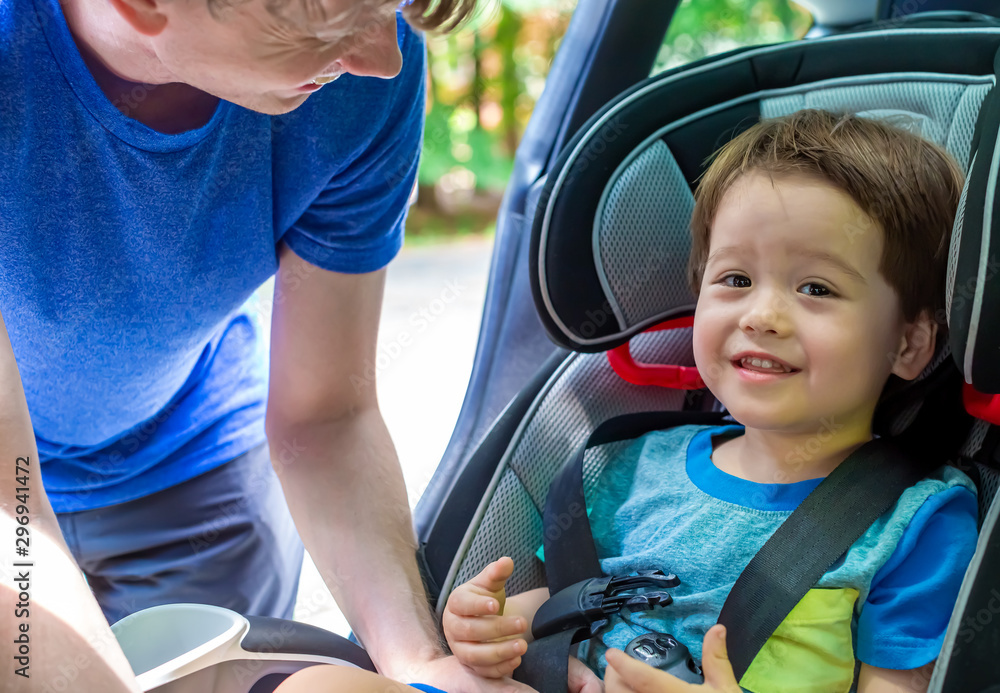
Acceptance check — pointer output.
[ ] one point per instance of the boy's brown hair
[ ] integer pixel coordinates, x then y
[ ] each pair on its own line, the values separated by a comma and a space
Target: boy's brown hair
908, 187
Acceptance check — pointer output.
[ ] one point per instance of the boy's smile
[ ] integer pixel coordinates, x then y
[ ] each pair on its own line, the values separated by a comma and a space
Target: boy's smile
795, 327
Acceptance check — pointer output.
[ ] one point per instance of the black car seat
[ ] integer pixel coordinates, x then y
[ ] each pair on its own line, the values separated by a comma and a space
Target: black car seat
609, 249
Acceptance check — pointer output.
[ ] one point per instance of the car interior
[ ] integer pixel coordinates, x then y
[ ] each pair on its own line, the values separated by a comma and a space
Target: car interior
588, 303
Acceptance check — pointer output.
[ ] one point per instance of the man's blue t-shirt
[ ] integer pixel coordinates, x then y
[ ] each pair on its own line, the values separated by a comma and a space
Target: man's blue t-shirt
126, 253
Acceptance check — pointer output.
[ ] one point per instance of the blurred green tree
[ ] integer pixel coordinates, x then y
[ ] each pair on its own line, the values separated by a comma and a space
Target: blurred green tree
485, 80
704, 27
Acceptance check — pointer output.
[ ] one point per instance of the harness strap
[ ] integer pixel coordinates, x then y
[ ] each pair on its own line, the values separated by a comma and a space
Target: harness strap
570, 554
804, 547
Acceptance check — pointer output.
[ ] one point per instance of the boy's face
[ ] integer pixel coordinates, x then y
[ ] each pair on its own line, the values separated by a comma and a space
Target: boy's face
766, 289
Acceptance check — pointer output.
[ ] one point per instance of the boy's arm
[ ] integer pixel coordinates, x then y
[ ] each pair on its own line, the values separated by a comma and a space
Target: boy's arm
53, 631
877, 680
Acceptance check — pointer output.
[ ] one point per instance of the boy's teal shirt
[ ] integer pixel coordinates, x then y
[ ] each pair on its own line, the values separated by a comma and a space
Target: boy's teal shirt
128, 254
662, 504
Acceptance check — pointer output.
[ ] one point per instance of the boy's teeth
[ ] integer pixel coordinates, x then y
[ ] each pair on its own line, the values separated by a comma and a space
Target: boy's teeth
764, 364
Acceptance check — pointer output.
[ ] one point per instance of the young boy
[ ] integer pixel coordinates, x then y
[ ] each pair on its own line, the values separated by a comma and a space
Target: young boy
819, 256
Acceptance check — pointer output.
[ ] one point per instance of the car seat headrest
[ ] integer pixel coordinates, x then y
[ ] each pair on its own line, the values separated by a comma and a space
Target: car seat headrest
973, 291
611, 231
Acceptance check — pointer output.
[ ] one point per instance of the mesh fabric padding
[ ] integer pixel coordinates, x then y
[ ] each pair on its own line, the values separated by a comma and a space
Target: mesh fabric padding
596, 459
953, 250
585, 399
579, 399
988, 478
989, 483
964, 123
903, 420
510, 532
976, 437
943, 112
643, 240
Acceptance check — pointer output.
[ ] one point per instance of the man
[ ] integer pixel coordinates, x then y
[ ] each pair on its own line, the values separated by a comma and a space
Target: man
163, 158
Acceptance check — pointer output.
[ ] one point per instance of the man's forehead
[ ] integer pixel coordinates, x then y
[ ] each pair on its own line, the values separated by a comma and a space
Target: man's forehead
329, 18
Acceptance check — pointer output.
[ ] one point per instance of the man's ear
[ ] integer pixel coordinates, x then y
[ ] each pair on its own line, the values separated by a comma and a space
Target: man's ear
916, 347
145, 16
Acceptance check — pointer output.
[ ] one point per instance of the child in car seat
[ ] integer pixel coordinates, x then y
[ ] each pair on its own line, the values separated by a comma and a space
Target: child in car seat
819, 257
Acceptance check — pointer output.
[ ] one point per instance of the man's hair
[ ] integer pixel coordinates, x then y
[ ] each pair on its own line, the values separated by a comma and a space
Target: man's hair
445, 16
425, 15
908, 187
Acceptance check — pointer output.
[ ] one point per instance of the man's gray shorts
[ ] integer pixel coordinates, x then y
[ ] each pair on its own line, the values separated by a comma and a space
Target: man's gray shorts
224, 538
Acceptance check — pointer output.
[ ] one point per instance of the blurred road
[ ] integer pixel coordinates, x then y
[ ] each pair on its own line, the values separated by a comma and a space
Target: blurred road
427, 339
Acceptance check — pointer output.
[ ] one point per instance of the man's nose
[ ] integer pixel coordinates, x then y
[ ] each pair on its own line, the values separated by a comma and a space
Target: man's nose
374, 51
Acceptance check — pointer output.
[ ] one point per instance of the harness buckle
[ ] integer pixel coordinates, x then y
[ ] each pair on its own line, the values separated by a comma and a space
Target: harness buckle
586, 605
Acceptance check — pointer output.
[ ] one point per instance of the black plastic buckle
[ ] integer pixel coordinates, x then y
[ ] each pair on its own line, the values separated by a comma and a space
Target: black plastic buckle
664, 652
586, 605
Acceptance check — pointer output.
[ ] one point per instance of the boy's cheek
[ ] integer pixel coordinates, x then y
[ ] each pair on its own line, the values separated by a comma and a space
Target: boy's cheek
707, 351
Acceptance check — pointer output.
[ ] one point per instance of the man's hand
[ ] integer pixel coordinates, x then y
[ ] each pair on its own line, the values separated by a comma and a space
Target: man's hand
627, 675
450, 675
478, 633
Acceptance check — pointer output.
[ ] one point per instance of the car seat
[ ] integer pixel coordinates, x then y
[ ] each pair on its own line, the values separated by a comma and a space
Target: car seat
608, 254
197, 648
609, 250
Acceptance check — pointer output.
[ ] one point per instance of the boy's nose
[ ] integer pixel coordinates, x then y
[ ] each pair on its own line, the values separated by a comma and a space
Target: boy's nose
767, 314
375, 51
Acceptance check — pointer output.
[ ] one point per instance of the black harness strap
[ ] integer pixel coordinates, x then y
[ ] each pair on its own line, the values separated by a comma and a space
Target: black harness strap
821, 529
570, 554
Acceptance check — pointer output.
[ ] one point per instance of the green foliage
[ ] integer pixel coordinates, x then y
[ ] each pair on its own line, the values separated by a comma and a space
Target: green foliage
704, 27
485, 79
449, 144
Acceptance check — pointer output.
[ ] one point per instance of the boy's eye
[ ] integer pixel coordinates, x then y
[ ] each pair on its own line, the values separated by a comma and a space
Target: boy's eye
740, 277
825, 291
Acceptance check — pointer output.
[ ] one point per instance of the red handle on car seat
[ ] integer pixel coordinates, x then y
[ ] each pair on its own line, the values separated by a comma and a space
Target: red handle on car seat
981, 405
676, 377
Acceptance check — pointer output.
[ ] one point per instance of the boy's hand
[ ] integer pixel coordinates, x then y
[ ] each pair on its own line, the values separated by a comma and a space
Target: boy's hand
581, 679
627, 675
478, 633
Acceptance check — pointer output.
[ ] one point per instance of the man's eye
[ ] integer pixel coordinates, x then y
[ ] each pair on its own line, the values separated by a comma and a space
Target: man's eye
736, 277
824, 291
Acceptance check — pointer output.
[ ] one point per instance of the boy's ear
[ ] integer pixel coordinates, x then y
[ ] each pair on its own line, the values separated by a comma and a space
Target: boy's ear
916, 347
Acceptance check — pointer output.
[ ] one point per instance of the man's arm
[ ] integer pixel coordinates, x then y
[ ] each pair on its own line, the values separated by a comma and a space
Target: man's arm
334, 457
51, 620
339, 470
